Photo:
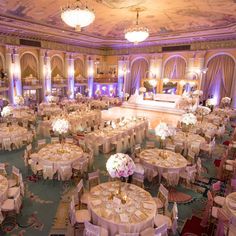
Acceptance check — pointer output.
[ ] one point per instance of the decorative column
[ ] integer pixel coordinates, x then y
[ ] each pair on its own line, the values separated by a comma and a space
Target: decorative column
42, 72
121, 64
126, 72
70, 74
14, 72
90, 74
47, 74
9, 72
201, 65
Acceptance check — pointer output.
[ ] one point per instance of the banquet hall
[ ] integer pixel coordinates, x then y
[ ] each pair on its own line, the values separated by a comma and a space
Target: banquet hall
117, 118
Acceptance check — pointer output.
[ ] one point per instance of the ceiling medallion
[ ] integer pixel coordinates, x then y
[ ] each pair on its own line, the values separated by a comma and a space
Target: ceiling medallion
77, 15
137, 33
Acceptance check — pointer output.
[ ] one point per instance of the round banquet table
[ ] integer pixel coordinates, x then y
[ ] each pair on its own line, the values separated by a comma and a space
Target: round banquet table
3, 189
204, 127
132, 217
162, 160
58, 153
230, 203
13, 133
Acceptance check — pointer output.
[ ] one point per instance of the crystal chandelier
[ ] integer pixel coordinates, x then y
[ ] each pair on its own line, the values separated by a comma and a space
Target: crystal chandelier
137, 33
77, 15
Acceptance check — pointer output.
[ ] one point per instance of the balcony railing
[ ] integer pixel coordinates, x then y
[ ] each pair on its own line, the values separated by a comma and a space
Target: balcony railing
31, 82
106, 78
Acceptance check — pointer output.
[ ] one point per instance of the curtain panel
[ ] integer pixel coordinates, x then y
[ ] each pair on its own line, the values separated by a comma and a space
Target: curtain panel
28, 65
219, 78
175, 68
57, 66
138, 72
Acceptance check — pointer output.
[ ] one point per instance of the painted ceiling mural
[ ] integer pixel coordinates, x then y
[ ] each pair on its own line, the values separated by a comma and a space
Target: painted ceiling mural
164, 18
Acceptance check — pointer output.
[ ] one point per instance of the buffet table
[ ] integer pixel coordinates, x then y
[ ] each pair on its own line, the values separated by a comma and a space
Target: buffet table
134, 214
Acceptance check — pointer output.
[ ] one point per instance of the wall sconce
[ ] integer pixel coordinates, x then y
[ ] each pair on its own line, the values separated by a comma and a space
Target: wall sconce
192, 83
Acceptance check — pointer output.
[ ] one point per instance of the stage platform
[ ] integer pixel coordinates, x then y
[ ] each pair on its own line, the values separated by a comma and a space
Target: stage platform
159, 106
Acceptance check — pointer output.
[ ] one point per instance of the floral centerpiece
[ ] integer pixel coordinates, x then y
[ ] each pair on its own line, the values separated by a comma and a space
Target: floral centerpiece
19, 100
163, 131
187, 121
6, 111
112, 92
142, 90
210, 102
60, 126
78, 95
203, 111
226, 101
51, 98
120, 165
198, 92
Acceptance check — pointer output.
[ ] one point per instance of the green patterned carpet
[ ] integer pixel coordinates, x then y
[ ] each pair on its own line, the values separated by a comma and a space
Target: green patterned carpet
42, 216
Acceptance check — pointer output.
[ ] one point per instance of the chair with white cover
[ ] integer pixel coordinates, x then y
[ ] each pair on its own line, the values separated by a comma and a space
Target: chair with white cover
15, 177
81, 165
6, 144
36, 168
191, 156
174, 218
93, 179
78, 217
138, 179
82, 195
195, 147
171, 177
3, 169
159, 231
10, 205
208, 147
69, 140
64, 172
54, 140
48, 169
126, 143
225, 225
41, 143
199, 167
170, 146
179, 147
189, 174
150, 144
94, 230
162, 199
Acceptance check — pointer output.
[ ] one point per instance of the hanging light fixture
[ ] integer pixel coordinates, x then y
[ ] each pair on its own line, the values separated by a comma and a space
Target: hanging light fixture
77, 15
137, 33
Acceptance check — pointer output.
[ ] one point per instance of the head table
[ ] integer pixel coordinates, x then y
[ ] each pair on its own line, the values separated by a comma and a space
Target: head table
136, 214
162, 160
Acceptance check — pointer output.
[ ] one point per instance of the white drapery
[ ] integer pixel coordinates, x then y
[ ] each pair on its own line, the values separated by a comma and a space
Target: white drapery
57, 66
28, 65
219, 78
79, 67
175, 68
138, 71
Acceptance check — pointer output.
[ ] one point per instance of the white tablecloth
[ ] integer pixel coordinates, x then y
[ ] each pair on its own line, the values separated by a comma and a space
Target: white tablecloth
133, 216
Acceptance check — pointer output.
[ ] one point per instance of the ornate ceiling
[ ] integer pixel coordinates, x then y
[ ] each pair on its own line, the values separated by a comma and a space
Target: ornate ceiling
169, 21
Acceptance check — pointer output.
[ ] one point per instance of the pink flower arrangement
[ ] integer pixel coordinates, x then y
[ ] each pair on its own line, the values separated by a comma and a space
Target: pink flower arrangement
120, 165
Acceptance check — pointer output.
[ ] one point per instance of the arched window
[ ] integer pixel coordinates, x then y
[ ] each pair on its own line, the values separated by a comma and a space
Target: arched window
28, 64
57, 66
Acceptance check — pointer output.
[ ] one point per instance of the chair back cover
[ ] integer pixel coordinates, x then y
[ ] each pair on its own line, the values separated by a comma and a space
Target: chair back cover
91, 230
161, 230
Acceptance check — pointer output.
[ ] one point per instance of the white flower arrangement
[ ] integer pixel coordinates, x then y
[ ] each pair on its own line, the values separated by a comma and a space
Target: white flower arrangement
126, 95
226, 100
210, 102
198, 92
142, 90
78, 95
51, 98
19, 100
60, 125
163, 131
189, 119
112, 91
6, 111
203, 111
120, 165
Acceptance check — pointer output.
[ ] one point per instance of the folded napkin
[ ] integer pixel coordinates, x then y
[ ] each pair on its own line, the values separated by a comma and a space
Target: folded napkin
124, 218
